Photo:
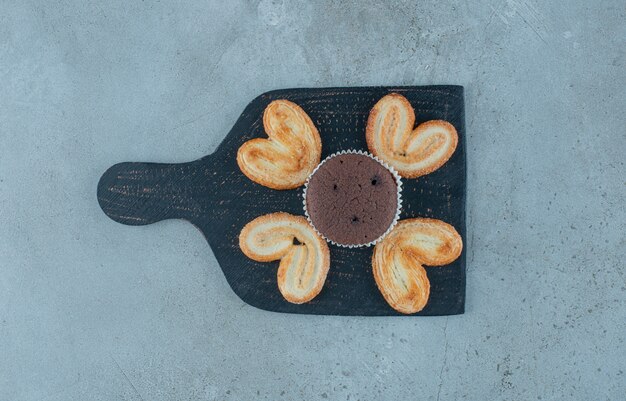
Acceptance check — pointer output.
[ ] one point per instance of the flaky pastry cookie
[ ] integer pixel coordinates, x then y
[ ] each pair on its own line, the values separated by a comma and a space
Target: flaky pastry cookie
290, 153
398, 260
304, 255
412, 152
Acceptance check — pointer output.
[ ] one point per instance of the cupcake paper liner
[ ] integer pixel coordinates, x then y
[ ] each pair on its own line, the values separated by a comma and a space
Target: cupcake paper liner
398, 206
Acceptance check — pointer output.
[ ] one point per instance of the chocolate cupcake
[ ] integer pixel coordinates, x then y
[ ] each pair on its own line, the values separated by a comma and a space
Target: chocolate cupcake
352, 199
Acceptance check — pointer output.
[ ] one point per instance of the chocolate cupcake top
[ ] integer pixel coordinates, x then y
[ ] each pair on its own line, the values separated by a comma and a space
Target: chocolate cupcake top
352, 199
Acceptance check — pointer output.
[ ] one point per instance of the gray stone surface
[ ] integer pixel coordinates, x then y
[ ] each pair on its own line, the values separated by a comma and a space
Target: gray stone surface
89, 310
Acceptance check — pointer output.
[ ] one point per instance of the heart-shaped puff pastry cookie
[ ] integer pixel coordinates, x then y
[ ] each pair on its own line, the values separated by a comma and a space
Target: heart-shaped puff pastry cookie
304, 255
412, 152
289, 155
398, 260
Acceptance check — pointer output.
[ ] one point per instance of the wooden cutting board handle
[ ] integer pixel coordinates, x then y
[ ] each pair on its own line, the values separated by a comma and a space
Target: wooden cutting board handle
145, 193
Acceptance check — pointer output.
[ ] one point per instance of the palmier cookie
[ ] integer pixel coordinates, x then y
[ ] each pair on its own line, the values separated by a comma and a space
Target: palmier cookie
290, 153
304, 255
398, 260
412, 152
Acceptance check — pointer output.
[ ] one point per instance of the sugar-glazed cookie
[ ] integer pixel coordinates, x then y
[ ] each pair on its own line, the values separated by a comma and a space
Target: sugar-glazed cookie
293, 148
398, 260
304, 256
412, 152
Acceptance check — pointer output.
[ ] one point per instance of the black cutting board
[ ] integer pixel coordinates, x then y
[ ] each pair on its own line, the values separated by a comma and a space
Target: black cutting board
219, 200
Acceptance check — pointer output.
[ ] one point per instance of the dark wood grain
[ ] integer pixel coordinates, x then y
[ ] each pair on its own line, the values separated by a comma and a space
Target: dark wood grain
219, 200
